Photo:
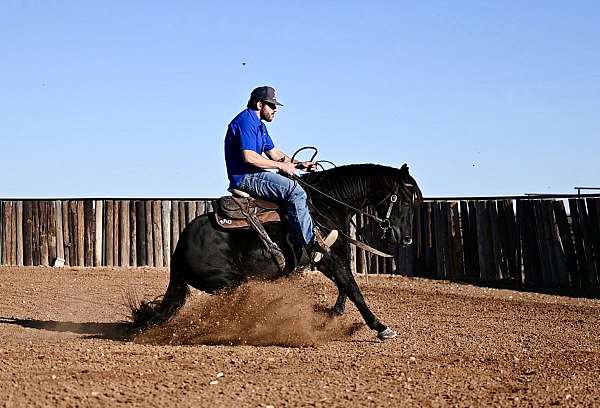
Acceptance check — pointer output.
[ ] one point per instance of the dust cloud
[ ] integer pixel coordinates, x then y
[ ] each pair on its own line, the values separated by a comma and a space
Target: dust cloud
257, 313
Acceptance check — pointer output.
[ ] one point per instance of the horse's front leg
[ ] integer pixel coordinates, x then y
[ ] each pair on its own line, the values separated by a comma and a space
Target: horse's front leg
347, 286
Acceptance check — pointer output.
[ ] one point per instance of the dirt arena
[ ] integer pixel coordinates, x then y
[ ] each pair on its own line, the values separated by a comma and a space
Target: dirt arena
62, 343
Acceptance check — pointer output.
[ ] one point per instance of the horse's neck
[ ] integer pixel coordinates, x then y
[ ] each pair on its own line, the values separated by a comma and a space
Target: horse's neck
356, 195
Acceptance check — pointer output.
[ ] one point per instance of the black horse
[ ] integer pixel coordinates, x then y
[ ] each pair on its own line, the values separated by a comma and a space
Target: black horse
210, 258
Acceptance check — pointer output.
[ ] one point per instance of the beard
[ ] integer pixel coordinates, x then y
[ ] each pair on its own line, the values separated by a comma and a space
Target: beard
267, 117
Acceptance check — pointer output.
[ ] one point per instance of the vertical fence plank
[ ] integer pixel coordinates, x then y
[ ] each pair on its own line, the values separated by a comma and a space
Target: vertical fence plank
14, 233
182, 216
200, 208
559, 257
457, 241
5, 233
414, 253
157, 233
543, 242
447, 236
191, 211
467, 238
149, 235
60, 239
578, 237
429, 234
503, 240
486, 265
124, 251
141, 243
166, 231
8, 233
587, 240
132, 234
474, 271
8, 258
440, 242
534, 272
566, 238
43, 214
19, 232
73, 230
27, 234
556, 253
512, 245
80, 234
52, 236
495, 244
89, 233
174, 224
2, 241
593, 205
98, 232
109, 226
116, 232
66, 232
521, 219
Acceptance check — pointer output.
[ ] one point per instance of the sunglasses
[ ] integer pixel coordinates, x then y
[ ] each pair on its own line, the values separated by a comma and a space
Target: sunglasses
270, 105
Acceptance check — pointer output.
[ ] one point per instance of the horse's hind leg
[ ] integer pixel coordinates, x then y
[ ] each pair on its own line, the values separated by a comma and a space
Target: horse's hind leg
340, 303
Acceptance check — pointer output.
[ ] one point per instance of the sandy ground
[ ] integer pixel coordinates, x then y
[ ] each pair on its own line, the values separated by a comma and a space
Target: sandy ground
62, 344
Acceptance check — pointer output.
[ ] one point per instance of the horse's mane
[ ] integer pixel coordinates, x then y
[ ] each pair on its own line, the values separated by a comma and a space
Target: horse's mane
358, 180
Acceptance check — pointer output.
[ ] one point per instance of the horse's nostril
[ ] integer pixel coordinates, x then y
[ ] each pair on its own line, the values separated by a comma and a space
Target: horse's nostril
407, 240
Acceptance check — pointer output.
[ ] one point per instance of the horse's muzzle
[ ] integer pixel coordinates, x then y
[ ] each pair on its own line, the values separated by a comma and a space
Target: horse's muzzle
406, 241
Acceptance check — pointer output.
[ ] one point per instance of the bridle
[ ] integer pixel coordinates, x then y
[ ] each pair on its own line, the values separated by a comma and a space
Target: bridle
385, 223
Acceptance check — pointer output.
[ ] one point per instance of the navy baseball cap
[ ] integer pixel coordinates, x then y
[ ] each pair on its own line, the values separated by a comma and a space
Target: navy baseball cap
264, 93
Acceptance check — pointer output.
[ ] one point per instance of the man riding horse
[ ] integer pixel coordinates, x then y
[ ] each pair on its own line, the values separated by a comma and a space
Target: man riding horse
250, 152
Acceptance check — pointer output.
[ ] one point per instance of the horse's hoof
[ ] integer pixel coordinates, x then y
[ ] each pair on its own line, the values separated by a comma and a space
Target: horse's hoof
386, 334
335, 312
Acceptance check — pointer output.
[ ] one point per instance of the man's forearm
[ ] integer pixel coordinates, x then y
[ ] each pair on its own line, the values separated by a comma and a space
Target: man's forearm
279, 156
260, 161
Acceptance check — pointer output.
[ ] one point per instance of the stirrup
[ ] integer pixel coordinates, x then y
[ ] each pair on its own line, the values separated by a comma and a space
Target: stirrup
325, 243
320, 246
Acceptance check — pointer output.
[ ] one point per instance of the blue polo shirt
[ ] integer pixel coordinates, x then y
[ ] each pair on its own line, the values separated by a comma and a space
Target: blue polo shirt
245, 132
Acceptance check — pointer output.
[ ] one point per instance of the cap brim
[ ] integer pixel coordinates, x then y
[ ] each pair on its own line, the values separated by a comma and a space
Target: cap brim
273, 102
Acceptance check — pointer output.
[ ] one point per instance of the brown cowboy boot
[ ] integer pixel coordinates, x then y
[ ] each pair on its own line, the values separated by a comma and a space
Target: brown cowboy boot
321, 245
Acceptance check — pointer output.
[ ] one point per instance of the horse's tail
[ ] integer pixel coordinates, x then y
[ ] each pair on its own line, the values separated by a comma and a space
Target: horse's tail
162, 308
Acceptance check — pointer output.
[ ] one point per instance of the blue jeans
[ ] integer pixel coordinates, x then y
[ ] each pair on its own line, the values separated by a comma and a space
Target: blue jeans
286, 192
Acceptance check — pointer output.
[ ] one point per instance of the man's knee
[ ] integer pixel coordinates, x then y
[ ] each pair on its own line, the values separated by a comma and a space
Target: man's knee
298, 194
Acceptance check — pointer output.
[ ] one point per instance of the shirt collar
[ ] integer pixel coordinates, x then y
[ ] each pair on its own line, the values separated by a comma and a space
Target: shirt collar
254, 117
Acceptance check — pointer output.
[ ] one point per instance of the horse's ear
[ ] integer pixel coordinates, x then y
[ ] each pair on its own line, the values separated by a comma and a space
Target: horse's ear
404, 168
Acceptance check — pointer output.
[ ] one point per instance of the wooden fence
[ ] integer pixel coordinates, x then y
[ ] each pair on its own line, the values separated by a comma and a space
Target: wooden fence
521, 241
94, 232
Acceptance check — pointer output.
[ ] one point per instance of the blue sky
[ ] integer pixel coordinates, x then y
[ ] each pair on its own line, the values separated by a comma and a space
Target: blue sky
132, 99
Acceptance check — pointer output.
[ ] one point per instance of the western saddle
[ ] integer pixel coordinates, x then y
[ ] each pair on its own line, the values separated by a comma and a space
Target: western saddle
241, 211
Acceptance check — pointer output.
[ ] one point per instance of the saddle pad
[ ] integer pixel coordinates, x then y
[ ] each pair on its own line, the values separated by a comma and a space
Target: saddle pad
229, 223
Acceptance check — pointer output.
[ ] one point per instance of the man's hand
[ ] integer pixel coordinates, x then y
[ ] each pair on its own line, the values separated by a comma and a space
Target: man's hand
287, 168
307, 166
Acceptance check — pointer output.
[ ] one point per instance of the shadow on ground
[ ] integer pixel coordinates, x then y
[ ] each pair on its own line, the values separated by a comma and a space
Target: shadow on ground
120, 331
